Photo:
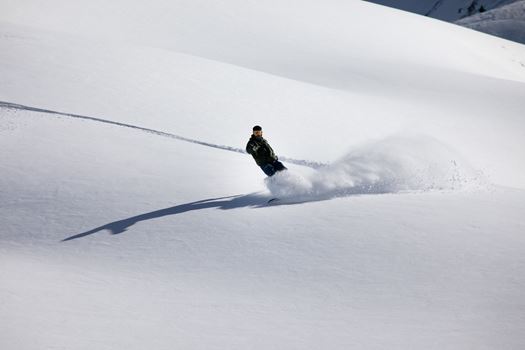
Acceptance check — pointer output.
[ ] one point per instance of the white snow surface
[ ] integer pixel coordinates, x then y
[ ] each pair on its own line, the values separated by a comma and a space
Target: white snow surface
132, 219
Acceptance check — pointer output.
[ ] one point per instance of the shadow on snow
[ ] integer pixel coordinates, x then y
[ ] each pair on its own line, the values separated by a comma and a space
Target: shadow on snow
225, 203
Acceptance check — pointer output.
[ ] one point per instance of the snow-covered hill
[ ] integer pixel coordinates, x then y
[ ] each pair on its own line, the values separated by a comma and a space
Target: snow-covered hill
132, 219
506, 22
502, 18
447, 10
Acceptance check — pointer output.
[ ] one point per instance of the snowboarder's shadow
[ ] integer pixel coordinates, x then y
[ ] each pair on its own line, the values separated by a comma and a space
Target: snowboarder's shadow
225, 203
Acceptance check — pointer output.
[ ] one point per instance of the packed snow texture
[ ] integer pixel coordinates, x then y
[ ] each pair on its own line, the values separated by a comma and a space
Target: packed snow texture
507, 22
388, 165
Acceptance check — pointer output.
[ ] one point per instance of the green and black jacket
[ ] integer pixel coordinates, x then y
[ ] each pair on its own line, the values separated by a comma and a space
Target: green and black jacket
260, 150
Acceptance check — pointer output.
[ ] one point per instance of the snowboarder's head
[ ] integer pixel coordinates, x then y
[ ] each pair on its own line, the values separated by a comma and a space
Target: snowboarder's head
257, 131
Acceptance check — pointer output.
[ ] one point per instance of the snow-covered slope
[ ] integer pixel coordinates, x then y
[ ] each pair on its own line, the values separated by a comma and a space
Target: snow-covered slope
502, 18
131, 220
196, 260
447, 10
441, 90
506, 22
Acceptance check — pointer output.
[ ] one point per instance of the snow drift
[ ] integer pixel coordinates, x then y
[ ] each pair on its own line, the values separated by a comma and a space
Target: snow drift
393, 164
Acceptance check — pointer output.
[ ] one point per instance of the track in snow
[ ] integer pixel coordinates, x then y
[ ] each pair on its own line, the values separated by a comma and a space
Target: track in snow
9, 105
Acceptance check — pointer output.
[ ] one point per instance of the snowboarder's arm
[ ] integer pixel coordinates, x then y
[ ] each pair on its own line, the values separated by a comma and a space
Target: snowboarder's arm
252, 148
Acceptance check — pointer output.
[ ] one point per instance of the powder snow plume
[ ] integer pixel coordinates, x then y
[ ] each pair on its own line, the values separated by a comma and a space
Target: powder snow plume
390, 165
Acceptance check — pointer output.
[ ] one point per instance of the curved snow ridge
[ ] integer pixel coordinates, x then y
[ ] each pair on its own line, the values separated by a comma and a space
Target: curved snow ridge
398, 163
303, 162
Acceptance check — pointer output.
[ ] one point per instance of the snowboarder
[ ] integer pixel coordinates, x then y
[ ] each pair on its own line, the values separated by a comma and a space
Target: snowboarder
263, 154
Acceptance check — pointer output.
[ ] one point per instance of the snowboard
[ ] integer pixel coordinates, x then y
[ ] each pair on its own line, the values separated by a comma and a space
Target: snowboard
272, 200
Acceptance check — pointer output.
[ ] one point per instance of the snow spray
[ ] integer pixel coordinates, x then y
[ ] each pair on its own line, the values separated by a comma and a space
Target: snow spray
394, 164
